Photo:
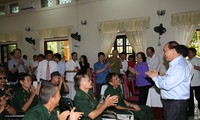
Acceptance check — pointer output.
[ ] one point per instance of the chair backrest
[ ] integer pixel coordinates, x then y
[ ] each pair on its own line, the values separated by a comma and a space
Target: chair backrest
103, 89
125, 85
127, 91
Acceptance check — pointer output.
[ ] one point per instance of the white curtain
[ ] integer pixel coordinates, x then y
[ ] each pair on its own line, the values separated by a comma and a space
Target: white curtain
107, 41
61, 32
184, 33
7, 37
136, 32
133, 27
185, 24
137, 39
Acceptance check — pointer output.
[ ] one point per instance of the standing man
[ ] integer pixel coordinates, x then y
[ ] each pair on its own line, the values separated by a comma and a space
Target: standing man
61, 64
153, 60
124, 64
72, 67
115, 62
101, 68
46, 67
16, 65
175, 84
195, 83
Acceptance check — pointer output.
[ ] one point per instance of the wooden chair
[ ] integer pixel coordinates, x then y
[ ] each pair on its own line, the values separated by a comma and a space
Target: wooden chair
127, 92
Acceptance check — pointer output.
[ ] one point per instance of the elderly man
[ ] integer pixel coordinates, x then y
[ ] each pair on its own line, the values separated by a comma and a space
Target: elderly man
153, 60
175, 84
49, 98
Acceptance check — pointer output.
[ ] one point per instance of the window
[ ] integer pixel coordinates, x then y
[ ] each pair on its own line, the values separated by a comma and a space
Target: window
64, 1
195, 42
5, 50
58, 46
122, 45
14, 8
46, 3
2, 10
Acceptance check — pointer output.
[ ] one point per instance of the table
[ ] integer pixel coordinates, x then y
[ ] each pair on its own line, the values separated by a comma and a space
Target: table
153, 98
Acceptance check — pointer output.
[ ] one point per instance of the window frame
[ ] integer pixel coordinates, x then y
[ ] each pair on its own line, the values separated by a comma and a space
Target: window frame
14, 5
124, 45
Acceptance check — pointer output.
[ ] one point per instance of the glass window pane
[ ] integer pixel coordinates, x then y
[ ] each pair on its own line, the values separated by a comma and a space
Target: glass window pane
128, 49
14, 8
127, 42
119, 42
64, 1
120, 49
2, 10
46, 3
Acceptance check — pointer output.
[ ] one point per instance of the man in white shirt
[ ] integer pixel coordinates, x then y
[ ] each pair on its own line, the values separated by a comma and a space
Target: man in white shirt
124, 63
195, 82
153, 60
72, 67
46, 67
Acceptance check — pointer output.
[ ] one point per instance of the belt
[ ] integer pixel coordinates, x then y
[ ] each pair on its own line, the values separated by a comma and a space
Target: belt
173, 100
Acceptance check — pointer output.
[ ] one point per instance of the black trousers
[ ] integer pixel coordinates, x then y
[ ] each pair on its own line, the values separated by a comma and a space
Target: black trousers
143, 93
175, 109
98, 90
191, 100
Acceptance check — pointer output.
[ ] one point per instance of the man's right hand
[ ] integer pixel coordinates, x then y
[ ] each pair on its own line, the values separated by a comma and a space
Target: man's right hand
111, 100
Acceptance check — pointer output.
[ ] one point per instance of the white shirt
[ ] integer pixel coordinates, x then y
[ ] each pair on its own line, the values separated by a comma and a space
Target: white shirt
41, 69
71, 65
196, 76
34, 64
154, 62
124, 67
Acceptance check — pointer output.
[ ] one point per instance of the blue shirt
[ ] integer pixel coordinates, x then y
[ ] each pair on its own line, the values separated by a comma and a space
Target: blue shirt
13, 63
175, 84
101, 77
61, 68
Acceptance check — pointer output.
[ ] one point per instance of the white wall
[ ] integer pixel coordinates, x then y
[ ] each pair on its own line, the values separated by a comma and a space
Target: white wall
95, 12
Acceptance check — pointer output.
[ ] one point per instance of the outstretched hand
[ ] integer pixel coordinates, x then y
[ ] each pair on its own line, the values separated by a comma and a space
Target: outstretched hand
152, 74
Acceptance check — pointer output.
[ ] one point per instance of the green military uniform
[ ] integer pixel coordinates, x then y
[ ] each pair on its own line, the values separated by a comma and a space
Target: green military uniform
9, 101
144, 114
115, 68
40, 112
85, 103
21, 96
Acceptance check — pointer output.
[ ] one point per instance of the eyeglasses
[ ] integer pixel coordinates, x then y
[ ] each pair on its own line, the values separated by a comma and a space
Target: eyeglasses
3, 78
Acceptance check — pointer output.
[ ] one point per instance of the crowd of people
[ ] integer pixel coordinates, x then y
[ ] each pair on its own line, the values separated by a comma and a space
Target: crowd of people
55, 80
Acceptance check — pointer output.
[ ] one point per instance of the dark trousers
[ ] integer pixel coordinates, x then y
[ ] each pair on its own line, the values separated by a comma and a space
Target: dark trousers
98, 90
143, 93
191, 100
175, 109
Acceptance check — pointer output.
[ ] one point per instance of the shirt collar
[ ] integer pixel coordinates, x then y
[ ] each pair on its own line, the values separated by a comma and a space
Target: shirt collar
176, 60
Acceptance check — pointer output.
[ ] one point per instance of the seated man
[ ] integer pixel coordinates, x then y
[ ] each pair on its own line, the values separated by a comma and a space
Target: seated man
59, 81
141, 112
86, 102
49, 97
5, 97
25, 96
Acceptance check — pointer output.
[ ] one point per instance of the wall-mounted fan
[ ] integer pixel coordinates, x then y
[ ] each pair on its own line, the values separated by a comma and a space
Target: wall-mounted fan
30, 40
76, 36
